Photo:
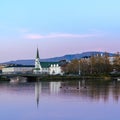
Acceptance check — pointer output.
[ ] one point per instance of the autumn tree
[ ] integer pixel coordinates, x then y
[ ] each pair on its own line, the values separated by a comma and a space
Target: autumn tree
116, 62
95, 65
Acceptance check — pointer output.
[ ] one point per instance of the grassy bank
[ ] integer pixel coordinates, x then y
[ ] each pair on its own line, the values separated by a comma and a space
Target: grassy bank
70, 78
64, 77
4, 78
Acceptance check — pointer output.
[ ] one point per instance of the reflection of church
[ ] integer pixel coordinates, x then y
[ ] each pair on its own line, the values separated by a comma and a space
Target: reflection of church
53, 87
37, 91
51, 68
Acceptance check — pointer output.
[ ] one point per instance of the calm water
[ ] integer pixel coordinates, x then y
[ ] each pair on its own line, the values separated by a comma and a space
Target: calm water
60, 101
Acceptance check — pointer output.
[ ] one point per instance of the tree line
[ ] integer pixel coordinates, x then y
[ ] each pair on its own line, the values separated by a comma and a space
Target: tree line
94, 65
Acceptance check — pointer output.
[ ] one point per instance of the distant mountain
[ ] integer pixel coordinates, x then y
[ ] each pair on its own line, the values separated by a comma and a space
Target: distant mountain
57, 59
77, 56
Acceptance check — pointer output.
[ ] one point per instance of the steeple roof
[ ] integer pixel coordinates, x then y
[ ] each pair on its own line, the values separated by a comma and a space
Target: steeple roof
37, 55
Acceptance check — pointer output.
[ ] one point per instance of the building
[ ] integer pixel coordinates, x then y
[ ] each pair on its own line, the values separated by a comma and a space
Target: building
38, 68
55, 69
1, 67
17, 69
51, 68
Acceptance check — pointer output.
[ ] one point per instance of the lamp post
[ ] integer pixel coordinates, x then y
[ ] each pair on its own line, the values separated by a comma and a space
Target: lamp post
79, 68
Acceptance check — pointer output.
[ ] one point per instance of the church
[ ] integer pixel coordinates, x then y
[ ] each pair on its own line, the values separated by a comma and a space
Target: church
50, 67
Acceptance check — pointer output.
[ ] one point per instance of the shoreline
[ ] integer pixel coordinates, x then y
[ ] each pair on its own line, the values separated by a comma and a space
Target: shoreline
63, 78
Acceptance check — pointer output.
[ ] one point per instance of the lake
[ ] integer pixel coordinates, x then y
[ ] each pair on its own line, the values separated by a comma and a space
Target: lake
70, 100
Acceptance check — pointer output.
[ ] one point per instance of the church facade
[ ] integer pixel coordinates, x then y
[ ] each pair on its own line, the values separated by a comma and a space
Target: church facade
51, 68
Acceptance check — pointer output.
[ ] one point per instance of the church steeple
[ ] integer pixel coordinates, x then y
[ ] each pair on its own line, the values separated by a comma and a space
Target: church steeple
37, 55
38, 68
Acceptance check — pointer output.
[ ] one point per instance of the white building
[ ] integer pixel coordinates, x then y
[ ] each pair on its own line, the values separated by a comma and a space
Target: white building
14, 70
53, 69
111, 59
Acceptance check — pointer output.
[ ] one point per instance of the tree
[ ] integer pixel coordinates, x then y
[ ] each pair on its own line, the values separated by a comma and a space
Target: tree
116, 62
95, 65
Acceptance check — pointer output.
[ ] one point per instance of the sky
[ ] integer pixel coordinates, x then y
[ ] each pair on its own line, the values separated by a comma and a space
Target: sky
57, 27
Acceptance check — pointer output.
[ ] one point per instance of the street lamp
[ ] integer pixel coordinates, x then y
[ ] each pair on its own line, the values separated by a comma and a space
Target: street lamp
79, 68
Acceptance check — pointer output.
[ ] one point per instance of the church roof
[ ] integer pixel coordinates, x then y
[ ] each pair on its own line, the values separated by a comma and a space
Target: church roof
47, 64
37, 55
43, 65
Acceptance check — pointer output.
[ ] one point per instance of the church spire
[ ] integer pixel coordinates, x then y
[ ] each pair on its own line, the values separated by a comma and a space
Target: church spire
37, 55
38, 68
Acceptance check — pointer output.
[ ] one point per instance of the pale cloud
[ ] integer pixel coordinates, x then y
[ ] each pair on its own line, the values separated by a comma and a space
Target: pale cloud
58, 35
23, 30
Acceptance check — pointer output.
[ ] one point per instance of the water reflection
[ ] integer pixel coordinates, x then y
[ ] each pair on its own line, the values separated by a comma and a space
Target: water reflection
69, 100
55, 87
37, 92
86, 90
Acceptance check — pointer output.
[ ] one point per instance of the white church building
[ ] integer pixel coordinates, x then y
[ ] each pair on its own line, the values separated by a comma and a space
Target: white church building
53, 69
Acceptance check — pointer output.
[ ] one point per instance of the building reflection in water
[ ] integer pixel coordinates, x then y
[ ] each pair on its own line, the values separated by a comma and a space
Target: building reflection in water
55, 87
89, 90
82, 83
37, 92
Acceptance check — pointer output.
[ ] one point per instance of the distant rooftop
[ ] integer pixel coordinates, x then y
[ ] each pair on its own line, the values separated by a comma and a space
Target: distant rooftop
43, 64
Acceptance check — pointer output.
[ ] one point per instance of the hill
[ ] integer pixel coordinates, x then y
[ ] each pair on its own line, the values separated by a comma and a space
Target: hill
57, 59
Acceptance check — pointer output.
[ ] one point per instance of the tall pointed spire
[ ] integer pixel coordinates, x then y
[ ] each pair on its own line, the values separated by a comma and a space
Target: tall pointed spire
37, 55
38, 68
